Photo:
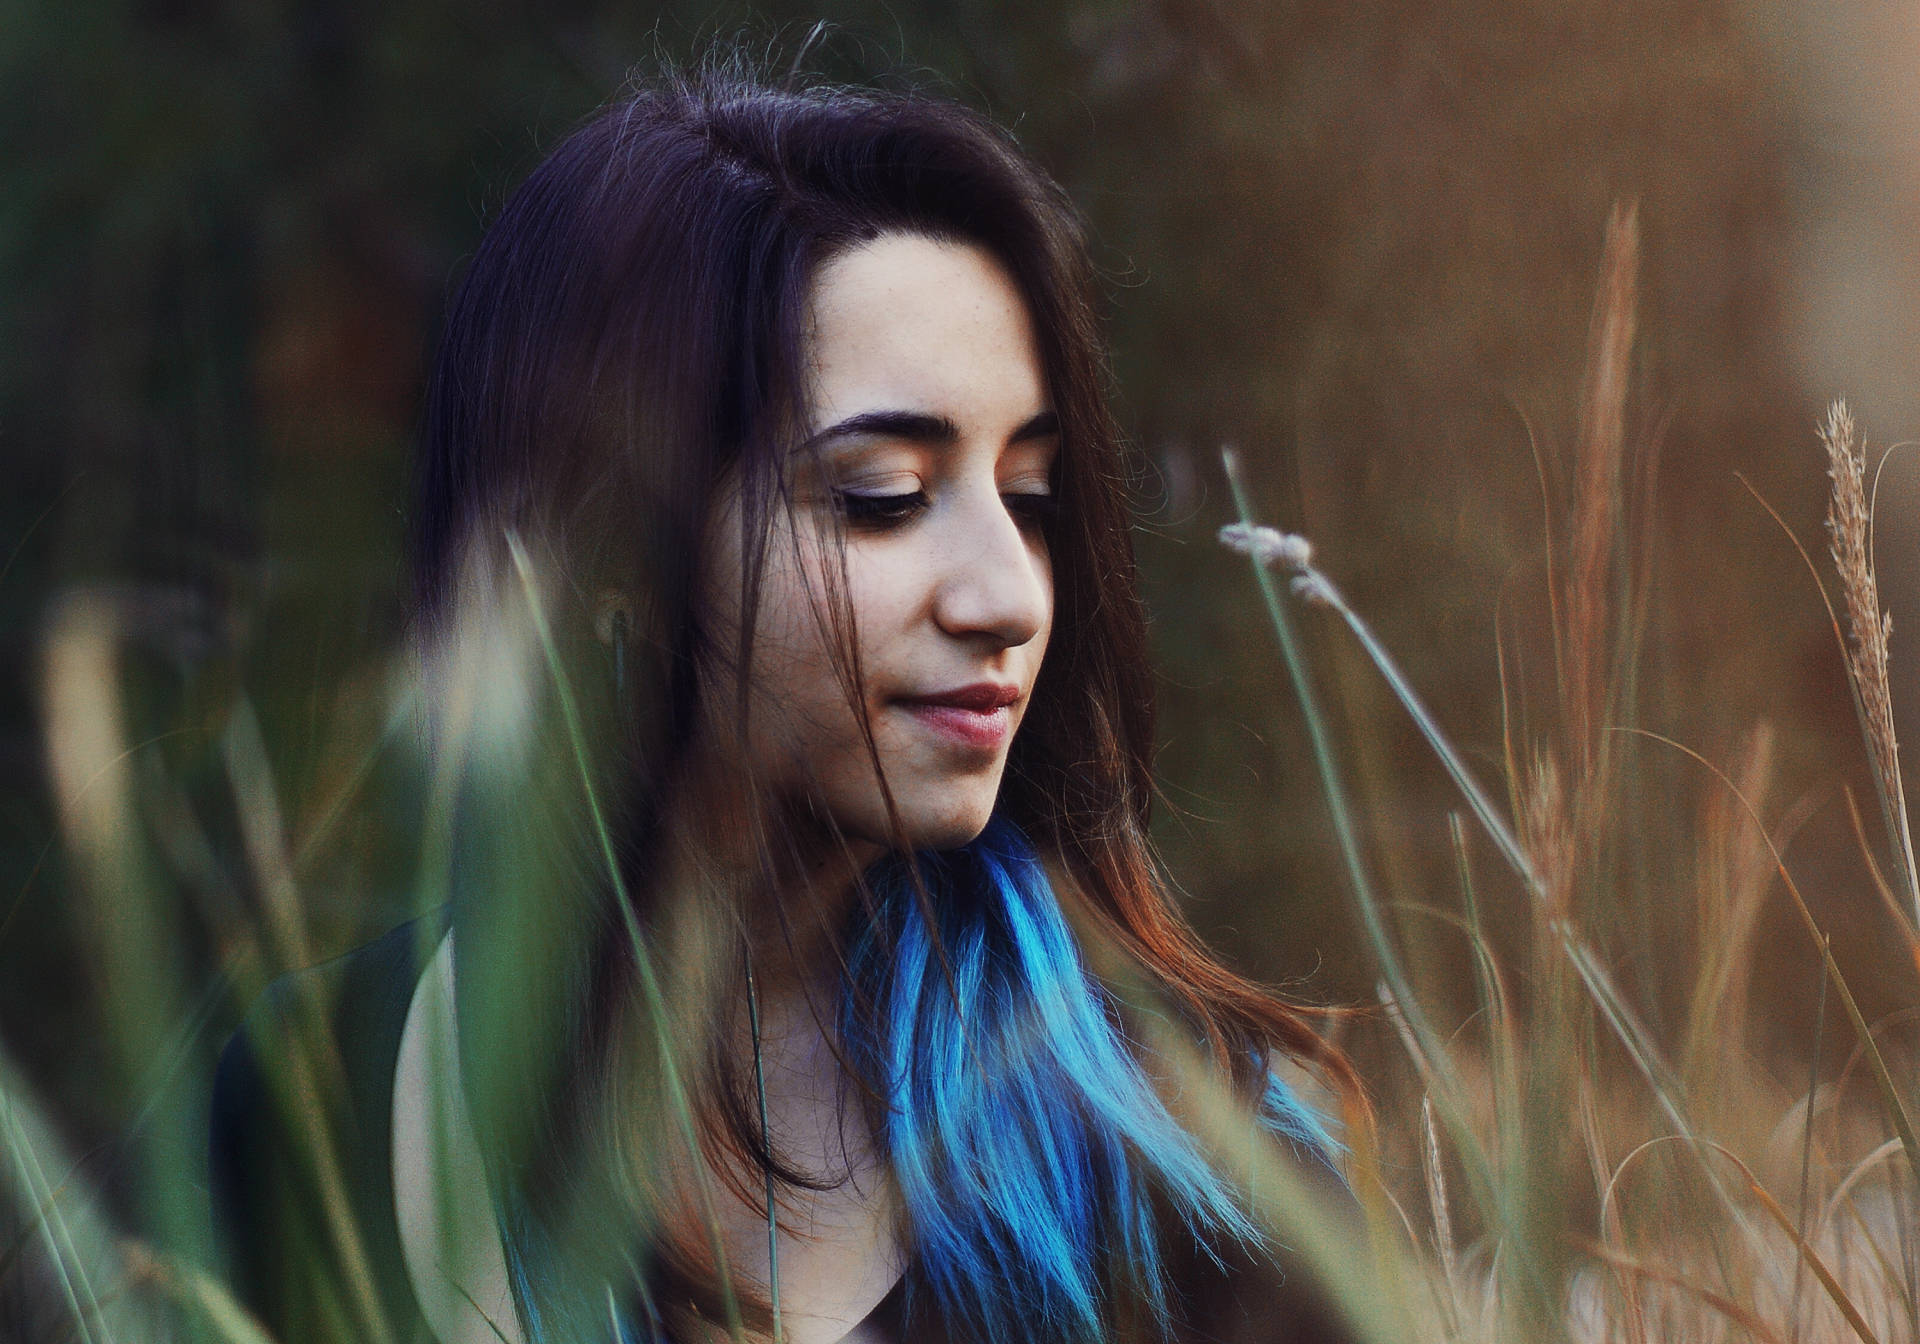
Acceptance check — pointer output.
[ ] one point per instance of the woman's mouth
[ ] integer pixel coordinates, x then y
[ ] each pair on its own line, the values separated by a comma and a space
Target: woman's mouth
978, 717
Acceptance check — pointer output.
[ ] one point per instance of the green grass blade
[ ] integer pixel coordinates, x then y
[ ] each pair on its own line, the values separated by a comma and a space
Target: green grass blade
56, 1235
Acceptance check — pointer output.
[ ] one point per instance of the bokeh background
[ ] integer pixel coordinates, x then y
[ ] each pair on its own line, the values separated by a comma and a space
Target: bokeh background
1360, 242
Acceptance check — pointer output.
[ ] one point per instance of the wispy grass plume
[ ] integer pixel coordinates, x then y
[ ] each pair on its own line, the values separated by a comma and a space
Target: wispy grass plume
1850, 532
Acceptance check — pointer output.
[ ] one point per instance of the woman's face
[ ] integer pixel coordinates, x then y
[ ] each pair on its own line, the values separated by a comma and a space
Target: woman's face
936, 442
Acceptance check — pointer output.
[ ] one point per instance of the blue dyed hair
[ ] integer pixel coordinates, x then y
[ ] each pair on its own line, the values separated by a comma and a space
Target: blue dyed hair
1032, 1152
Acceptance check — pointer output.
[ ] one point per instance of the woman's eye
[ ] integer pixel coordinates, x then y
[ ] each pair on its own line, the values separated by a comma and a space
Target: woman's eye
1032, 509
880, 511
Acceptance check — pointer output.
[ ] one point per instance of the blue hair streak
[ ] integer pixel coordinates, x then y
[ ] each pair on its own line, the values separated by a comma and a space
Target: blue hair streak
1034, 1158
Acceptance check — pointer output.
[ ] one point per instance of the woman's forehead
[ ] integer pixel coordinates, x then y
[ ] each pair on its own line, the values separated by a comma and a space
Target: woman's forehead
915, 325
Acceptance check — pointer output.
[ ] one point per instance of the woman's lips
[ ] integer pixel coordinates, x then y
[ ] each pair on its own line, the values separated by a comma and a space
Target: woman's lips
978, 729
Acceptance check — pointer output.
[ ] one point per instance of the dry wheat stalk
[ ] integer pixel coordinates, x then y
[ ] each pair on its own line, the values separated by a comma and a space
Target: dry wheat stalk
1850, 529
1600, 449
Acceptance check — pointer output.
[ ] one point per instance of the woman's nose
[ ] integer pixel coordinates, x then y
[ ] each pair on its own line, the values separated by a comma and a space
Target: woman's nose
994, 577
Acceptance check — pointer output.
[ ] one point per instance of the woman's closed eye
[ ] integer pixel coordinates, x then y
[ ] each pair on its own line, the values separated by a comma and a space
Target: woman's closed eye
1032, 508
878, 510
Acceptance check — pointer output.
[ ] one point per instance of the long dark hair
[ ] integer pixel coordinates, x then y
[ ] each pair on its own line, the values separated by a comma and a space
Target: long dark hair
628, 334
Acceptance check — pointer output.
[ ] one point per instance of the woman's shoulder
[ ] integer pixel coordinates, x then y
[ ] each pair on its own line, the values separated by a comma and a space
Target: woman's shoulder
300, 1143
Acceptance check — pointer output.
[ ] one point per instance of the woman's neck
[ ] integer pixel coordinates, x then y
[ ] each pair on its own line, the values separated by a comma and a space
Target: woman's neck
793, 891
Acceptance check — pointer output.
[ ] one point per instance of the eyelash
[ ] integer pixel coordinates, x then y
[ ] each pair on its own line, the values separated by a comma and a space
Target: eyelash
881, 513
1033, 510
878, 513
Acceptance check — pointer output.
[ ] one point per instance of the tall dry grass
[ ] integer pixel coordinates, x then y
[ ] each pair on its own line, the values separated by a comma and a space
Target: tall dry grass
1575, 1173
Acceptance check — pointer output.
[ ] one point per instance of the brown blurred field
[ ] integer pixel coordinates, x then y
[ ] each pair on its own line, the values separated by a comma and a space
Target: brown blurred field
1361, 244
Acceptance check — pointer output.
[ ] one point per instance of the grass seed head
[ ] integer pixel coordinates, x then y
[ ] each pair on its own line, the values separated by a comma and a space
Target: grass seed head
1268, 545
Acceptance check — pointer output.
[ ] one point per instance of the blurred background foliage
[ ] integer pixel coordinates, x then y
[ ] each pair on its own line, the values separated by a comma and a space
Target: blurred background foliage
1359, 242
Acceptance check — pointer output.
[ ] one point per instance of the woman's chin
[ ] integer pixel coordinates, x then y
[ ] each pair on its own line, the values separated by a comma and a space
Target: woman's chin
947, 824
952, 836
933, 808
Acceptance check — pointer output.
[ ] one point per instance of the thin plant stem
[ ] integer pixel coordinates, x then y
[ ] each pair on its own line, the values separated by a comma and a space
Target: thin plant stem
766, 1139
1319, 588
1806, 1134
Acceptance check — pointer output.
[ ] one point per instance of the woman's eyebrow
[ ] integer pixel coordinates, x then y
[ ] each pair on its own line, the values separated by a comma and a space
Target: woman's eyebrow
1043, 426
913, 426
925, 427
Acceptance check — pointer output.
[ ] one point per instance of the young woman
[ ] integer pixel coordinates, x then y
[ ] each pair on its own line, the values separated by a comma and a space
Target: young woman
766, 996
